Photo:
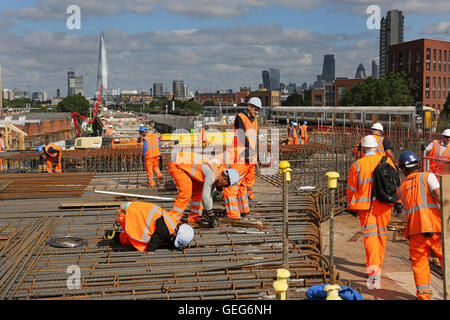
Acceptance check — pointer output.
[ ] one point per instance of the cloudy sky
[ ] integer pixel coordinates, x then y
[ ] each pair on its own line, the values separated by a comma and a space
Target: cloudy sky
210, 44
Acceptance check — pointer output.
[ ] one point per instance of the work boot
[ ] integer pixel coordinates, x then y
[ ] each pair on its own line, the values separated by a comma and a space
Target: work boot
151, 184
211, 219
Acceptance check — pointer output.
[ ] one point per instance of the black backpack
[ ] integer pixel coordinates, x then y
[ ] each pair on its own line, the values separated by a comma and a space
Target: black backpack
385, 182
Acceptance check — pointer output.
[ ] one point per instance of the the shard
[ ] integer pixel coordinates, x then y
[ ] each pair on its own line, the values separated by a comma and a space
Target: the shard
103, 71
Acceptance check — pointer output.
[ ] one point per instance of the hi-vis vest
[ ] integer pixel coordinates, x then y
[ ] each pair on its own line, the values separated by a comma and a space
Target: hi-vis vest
304, 131
141, 217
49, 154
251, 132
192, 162
152, 145
380, 148
293, 133
422, 209
360, 182
436, 152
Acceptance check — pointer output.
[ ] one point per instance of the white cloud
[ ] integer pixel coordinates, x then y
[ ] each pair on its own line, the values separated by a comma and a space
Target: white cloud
441, 28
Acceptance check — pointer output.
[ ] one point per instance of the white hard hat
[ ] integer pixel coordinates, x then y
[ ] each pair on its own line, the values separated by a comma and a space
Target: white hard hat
255, 101
446, 133
296, 124
377, 126
110, 126
185, 235
369, 142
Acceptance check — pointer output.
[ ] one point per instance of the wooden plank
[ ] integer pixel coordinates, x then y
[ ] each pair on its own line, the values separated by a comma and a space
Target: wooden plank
445, 218
90, 204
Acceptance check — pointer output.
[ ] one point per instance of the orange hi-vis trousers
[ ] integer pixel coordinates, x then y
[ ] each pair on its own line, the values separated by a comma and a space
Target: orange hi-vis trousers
419, 250
49, 165
152, 165
236, 199
249, 180
188, 190
374, 232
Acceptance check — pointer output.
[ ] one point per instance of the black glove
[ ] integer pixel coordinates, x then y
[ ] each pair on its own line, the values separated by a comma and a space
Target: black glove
398, 209
55, 163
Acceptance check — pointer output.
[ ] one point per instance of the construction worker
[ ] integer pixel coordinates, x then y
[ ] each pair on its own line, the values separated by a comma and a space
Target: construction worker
293, 136
110, 132
383, 148
374, 215
2, 149
196, 177
245, 141
147, 227
53, 154
304, 132
151, 151
439, 151
420, 194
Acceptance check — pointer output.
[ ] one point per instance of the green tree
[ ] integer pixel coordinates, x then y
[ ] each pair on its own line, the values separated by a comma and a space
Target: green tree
296, 99
396, 89
74, 103
209, 103
193, 108
446, 108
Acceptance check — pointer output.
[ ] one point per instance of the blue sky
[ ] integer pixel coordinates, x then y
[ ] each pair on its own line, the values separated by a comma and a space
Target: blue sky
210, 44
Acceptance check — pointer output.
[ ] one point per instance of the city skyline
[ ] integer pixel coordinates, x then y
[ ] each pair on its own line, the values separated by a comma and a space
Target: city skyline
209, 47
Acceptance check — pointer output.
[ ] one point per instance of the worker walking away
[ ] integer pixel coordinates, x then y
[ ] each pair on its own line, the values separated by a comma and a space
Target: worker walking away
293, 136
420, 194
196, 177
151, 151
304, 132
2, 149
439, 152
148, 227
246, 140
53, 155
374, 215
383, 145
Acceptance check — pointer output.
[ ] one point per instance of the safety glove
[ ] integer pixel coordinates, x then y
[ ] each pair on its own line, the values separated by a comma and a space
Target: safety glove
398, 209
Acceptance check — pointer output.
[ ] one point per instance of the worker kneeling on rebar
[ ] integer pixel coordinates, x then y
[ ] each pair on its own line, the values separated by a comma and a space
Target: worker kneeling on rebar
148, 227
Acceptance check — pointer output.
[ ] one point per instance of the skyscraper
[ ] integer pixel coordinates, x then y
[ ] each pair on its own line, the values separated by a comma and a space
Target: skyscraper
391, 32
103, 71
158, 91
274, 79
374, 69
328, 69
74, 83
266, 79
360, 72
178, 89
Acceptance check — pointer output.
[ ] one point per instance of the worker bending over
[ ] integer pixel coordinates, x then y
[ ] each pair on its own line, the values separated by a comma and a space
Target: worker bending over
420, 194
304, 133
196, 177
383, 145
245, 142
293, 136
439, 150
53, 154
374, 215
151, 151
147, 227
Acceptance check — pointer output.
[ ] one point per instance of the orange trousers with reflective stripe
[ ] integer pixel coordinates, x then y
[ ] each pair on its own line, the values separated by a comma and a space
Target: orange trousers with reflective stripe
374, 232
236, 199
419, 251
188, 190
49, 165
152, 165
249, 180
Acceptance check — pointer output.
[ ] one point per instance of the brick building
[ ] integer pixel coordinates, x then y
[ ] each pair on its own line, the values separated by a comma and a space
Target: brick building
220, 99
340, 85
427, 62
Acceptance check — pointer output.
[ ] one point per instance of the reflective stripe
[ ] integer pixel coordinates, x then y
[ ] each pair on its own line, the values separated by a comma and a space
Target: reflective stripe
193, 210
362, 200
169, 220
195, 164
424, 204
369, 234
351, 188
196, 203
145, 236
369, 227
178, 209
424, 287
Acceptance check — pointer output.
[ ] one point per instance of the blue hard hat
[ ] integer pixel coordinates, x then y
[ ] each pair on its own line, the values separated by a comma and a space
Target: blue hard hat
408, 159
305, 122
39, 149
291, 123
143, 129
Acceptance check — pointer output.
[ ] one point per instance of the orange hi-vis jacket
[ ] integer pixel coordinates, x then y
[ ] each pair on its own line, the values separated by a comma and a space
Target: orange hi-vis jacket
141, 217
360, 182
422, 209
251, 133
152, 145
380, 149
191, 163
293, 135
54, 146
304, 131
436, 152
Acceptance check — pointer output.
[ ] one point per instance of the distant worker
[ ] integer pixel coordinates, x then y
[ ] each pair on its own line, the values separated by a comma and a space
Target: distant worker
374, 215
53, 154
151, 151
2, 149
293, 136
110, 132
148, 227
420, 194
203, 137
439, 152
196, 177
304, 132
383, 147
246, 142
